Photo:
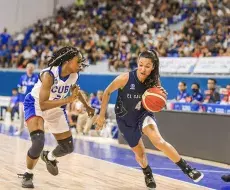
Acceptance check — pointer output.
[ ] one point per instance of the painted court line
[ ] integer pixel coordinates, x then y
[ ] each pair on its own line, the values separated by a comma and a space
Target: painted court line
174, 169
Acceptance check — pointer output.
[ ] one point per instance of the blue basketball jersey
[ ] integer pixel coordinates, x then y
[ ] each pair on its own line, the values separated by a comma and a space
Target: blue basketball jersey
26, 84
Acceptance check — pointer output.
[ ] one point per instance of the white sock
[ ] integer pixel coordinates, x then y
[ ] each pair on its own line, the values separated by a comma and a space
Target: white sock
51, 156
30, 171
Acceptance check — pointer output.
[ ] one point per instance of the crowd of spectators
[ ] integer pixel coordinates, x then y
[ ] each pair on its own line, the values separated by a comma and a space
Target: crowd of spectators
105, 29
213, 94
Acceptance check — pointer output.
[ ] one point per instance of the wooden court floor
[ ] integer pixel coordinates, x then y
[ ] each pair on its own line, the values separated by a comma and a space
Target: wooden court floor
77, 172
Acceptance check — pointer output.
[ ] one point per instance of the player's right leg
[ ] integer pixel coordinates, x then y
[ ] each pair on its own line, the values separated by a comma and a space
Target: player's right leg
133, 137
139, 151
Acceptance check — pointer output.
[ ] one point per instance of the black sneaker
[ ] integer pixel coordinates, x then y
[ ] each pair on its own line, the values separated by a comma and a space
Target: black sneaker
27, 180
226, 178
50, 165
192, 173
149, 181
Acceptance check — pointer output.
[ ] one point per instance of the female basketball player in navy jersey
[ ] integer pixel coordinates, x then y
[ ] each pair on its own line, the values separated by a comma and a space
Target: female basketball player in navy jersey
133, 119
45, 106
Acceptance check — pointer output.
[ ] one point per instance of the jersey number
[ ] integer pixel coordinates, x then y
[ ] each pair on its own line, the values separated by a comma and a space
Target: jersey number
57, 97
138, 106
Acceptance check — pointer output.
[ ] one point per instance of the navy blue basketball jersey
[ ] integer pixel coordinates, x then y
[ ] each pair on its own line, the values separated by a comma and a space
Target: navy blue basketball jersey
128, 106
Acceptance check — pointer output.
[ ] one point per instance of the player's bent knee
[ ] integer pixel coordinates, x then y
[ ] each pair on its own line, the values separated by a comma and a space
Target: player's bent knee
38, 141
66, 145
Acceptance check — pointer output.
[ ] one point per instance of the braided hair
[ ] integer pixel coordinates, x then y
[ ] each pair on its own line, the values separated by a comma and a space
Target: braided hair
65, 54
153, 78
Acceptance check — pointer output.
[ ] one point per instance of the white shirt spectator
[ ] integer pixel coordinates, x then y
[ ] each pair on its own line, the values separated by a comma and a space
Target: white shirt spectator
29, 54
46, 54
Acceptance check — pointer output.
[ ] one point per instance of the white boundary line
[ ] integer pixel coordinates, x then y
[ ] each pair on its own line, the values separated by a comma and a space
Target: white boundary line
175, 169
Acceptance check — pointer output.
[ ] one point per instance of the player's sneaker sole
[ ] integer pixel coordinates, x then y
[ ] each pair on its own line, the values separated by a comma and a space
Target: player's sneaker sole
50, 165
199, 178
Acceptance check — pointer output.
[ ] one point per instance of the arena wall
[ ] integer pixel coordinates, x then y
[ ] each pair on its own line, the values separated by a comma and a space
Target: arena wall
94, 82
198, 135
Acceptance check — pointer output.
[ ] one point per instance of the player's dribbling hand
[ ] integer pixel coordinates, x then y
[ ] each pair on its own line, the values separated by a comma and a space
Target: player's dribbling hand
100, 120
163, 90
90, 111
74, 93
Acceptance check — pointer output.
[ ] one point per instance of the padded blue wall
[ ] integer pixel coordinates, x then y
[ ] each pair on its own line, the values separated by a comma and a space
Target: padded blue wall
94, 82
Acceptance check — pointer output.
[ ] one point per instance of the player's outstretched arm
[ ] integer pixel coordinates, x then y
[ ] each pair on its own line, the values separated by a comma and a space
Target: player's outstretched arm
118, 82
45, 103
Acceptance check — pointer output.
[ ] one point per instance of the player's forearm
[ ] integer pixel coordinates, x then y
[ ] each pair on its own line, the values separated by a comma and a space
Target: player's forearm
50, 104
104, 103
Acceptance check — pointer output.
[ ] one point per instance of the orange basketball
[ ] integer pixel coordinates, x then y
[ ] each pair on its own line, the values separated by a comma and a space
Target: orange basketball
154, 99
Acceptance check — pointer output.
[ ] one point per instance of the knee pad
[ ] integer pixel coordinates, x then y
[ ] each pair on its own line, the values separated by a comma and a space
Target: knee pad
38, 141
66, 145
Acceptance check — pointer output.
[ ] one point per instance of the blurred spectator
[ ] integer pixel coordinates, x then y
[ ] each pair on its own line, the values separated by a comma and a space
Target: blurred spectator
4, 56
197, 96
25, 85
5, 37
96, 101
224, 96
14, 103
123, 60
182, 95
15, 56
45, 56
211, 95
105, 29
83, 124
28, 55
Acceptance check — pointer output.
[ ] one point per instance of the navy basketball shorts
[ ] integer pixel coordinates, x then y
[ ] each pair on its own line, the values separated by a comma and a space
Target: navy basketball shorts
132, 133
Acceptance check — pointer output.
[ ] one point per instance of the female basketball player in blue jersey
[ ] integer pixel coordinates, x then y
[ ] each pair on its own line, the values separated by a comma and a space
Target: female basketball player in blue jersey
45, 106
133, 119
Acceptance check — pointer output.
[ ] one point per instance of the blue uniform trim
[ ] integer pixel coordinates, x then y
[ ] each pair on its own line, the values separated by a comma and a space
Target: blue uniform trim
59, 72
29, 107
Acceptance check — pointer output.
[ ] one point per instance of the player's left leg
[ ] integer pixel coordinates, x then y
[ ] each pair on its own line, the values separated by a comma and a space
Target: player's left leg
61, 131
226, 178
150, 129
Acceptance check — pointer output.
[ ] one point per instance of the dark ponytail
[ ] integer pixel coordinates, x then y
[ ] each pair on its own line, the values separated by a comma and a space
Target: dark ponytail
153, 78
65, 54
